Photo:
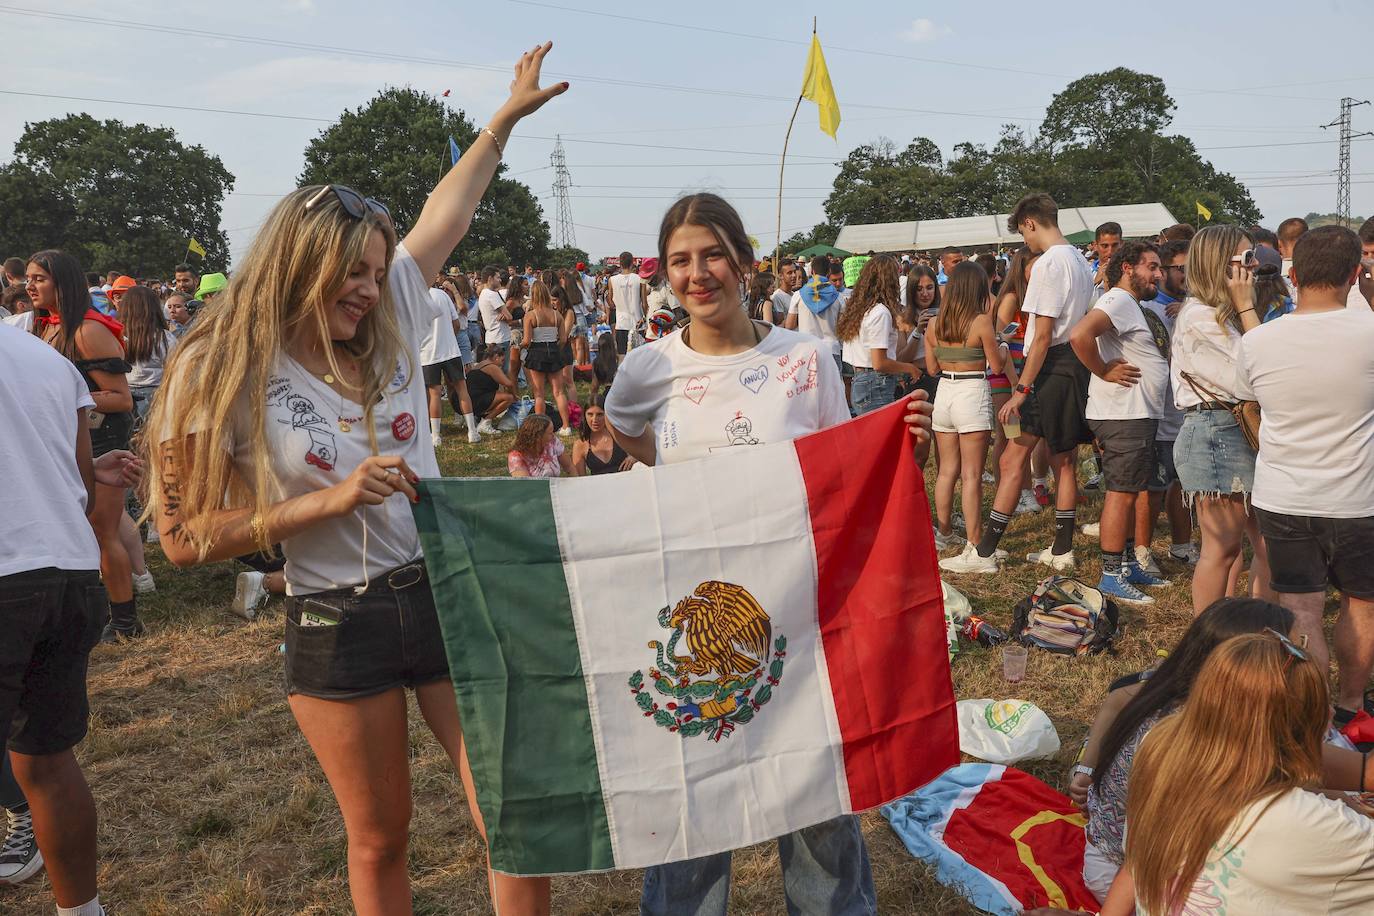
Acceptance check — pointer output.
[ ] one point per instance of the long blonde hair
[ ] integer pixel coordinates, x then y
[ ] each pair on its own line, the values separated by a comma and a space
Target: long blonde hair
298, 262
1209, 256
1221, 761
878, 284
966, 297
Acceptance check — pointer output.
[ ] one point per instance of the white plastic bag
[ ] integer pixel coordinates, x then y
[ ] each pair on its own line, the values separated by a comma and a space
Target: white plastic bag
1005, 731
957, 610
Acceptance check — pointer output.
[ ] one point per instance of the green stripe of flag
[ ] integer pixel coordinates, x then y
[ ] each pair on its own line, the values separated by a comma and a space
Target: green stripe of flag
524, 707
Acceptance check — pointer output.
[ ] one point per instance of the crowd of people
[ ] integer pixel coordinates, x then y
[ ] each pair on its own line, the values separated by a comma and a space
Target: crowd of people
1224, 375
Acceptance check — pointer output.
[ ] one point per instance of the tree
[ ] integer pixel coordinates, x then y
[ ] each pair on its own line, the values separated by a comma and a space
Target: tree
395, 148
568, 257
1101, 143
117, 196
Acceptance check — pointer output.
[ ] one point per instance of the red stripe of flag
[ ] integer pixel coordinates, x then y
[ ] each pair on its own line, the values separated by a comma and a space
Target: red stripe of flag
880, 607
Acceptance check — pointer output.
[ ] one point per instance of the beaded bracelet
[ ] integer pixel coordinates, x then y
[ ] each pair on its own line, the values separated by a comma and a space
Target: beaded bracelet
500, 153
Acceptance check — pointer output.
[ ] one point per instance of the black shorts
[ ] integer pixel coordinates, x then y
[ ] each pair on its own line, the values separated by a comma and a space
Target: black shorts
342, 646
622, 341
1055, 409
51, 620
1308, 552
1166, 472
1128, 453
451, 369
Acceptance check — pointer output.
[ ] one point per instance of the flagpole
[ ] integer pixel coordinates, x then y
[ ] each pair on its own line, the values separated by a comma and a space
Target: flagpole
782, 166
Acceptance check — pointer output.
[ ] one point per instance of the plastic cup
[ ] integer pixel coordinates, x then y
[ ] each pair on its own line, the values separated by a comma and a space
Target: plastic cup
1014, 662
1012, 428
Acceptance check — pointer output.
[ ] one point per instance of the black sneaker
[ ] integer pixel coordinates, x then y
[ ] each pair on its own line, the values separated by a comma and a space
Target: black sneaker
20, 859
121, 632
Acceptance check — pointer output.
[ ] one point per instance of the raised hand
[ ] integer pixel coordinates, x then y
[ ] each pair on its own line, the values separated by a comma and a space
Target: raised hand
526, 96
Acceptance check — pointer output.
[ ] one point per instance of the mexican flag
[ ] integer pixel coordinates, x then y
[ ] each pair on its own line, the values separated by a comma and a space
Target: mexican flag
677, 661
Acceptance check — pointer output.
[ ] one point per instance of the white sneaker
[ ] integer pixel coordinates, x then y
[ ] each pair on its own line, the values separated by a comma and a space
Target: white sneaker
486, 428
565, 432
1146, 561
473, 435
1026, 505
968, 561
1057, 562
1092, 529
144, 584
946, 541
249, 594
1188, 553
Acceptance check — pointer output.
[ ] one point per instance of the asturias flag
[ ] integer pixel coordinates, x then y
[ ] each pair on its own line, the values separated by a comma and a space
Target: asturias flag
677, 661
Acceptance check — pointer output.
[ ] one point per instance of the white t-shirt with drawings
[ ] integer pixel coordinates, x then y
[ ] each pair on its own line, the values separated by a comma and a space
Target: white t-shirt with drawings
43, 501
1128, 338
439, 342
628, 291
1060, 287
876, 332
784, 387
310, 450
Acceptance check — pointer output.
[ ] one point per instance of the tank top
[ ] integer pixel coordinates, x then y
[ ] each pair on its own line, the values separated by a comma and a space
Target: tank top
545, 335
595, 466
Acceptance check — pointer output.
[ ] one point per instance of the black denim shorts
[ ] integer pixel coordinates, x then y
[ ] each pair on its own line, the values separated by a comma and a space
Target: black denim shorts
1308, 552
342, 646
50, 620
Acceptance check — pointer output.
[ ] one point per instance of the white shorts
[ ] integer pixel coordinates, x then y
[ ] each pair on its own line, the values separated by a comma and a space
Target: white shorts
1098, 871
962, 405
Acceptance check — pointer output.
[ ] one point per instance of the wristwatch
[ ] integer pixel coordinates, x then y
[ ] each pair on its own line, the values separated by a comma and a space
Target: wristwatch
1022, 389
1080, 769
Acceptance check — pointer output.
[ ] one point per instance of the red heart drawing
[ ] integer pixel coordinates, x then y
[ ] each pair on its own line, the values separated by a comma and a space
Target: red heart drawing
696, 388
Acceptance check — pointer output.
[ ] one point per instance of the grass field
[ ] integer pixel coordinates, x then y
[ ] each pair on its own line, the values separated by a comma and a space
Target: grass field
211, 803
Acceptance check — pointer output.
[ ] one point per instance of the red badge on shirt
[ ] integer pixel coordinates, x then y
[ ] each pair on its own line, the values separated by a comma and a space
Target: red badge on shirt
403, 427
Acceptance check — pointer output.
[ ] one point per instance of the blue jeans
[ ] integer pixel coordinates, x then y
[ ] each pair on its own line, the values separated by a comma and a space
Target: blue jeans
872, 390
825, 872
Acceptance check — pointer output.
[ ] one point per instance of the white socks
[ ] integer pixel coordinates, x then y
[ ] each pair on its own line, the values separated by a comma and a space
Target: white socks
435, 424
471, 420
91, 907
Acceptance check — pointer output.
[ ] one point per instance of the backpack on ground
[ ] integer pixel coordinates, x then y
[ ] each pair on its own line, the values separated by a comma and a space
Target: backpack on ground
1067, 617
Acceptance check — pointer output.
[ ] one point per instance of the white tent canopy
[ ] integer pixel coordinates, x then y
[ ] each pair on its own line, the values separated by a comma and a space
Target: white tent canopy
1137, 220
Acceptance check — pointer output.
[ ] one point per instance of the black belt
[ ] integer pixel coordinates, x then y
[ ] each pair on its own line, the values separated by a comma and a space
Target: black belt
963, 375
1209, 405
395, 580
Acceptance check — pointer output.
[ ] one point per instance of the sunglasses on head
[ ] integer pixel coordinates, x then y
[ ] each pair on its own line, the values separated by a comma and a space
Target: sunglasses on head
354, 204
1292, 648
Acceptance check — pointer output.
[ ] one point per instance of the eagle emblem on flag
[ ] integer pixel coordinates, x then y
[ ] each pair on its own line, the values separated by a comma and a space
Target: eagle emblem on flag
727, 675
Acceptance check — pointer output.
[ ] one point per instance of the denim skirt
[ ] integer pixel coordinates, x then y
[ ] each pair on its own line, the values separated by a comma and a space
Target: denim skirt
1212, 456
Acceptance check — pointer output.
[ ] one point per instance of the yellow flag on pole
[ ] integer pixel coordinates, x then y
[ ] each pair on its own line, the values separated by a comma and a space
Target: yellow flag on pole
817, 87
196, 248
1203, 211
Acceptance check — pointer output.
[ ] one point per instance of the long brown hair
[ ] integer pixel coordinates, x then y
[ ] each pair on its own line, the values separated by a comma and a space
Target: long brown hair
73, 298
296, 265
966, 297
572, 286
913, 280
878, 284
145, 327
1221, 762
714, 213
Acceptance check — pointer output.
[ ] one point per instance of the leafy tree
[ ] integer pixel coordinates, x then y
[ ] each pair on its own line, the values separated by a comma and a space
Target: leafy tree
568, 257
1102, 142
822, 234
395, 148
117, 196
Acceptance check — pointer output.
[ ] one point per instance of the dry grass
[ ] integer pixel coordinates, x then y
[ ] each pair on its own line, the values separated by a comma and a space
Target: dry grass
211, 802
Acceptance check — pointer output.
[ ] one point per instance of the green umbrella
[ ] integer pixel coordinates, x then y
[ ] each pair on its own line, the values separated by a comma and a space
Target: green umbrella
1082, 237
827, 250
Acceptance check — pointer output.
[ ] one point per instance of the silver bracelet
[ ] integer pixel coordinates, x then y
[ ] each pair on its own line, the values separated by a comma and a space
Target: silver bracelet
500, 153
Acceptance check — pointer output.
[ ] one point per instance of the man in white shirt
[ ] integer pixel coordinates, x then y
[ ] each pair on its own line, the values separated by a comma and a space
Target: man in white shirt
1313, 375
1052, 396
782, 297
441, 362
495, 316
816, 306
625, 294
1124, 346
54, 605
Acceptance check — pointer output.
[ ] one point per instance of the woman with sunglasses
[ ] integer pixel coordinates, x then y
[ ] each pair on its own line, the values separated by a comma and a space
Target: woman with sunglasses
1249, 831
292, 413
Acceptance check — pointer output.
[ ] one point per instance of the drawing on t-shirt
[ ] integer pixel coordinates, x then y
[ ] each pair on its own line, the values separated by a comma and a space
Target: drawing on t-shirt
740, 430
798, 374
754, 378
322, 453
696, 388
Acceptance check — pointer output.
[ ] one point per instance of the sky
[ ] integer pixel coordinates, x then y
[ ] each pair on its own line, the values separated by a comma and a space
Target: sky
667, 99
